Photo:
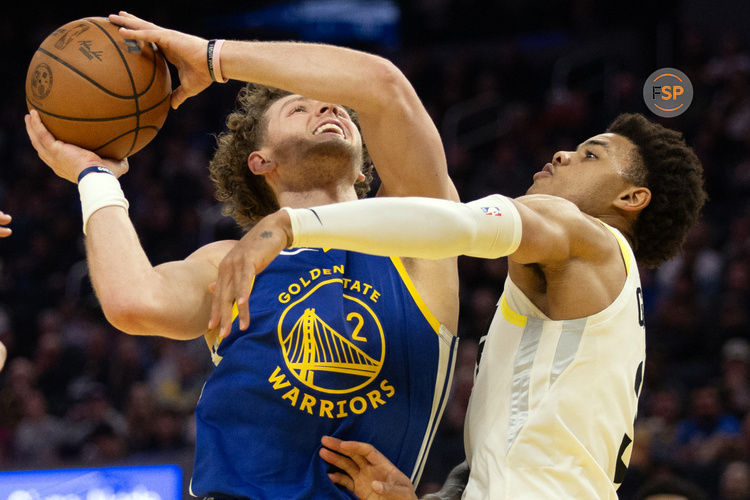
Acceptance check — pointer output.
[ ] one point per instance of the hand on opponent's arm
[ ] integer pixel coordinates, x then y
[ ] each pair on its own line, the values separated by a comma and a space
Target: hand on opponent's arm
367, 473
371, 476
239, 267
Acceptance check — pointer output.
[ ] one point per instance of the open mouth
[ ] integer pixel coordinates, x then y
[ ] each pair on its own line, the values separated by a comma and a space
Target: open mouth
329, 128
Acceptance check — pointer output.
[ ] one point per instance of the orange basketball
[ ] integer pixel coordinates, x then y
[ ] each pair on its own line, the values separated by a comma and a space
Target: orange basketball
97, 90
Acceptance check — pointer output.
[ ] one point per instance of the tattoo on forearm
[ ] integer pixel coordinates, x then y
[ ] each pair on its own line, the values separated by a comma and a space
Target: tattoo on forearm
266, 234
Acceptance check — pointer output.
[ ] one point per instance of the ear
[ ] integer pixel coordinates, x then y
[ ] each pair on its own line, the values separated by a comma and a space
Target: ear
259, 164
633, 199
361, 177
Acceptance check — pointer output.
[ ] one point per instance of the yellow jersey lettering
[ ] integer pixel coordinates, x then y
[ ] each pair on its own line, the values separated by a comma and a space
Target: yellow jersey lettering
325, 408
292, 395
338, 269
307, 403
312, 405
367, 288
355, 286
375, 295
314, 274
388, 388
284, 297
360, 406
304, 283
341, 412
346, 282
294, 288
326, 272
279, 381
374, 397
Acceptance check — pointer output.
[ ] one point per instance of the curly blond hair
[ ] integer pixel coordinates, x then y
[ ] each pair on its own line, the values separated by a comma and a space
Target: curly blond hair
247, 198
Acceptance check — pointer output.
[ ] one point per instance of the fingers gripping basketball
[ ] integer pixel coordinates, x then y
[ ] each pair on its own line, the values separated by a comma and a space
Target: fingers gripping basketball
97, 90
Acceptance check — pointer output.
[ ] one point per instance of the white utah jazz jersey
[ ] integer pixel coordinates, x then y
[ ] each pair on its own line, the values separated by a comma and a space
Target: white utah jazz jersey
554, 402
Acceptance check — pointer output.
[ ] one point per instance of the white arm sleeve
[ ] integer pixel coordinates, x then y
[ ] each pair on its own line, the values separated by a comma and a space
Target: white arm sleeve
426, 228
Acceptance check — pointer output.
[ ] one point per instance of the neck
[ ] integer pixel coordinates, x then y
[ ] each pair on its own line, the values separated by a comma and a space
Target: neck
316, 196
621, 224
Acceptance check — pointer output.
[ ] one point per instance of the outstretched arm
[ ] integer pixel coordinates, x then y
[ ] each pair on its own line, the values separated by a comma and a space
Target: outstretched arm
402, 139
532, 229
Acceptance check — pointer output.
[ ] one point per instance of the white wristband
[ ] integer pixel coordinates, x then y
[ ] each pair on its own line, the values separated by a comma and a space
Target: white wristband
98, 190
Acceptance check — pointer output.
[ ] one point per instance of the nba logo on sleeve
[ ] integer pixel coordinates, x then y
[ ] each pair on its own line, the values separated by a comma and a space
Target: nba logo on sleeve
491, 211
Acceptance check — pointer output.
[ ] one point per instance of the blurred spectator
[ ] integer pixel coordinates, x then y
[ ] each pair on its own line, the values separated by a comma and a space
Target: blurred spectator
659, 428
735, 369
38, 434
670, 488
139, 415
705, 437
735, 482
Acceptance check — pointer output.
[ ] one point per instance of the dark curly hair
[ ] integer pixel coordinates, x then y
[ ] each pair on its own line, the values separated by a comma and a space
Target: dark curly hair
671, 170
247, 198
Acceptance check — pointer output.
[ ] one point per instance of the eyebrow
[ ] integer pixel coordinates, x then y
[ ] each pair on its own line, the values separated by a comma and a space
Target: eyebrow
290, 101
596, 142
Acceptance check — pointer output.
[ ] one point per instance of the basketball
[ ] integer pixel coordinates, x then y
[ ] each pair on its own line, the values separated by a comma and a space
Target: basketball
97, 90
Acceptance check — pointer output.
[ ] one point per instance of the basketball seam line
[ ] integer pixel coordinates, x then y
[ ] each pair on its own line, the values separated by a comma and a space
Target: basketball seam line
80, 119
124, 134
132, 84
83, 75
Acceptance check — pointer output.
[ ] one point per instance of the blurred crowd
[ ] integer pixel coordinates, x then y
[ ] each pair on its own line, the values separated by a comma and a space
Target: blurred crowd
77, 392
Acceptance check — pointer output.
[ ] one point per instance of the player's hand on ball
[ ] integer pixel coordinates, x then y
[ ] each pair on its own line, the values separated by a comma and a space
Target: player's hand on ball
66, 160
186, 52
237, 270
368, 474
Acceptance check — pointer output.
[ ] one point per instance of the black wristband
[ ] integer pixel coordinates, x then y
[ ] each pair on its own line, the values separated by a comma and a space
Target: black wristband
210, 58
86, 171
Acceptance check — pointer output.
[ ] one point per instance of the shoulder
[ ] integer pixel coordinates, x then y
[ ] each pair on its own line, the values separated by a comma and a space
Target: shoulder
553, 207
553, 221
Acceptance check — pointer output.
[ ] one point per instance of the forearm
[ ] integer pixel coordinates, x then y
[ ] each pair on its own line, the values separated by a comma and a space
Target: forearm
119, 269
454, 485
323, 72
411, 227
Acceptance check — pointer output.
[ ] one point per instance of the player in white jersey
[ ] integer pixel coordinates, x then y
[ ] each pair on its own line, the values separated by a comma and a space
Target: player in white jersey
555, 397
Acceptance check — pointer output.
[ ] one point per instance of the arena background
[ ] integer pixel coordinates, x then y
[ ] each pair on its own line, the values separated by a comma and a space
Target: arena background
508, 84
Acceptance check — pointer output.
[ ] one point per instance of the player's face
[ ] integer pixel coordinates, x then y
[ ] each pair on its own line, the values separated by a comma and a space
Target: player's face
297, 117
591, 176
312, 144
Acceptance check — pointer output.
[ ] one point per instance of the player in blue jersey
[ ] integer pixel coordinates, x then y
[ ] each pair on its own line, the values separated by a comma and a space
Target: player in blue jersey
339, 343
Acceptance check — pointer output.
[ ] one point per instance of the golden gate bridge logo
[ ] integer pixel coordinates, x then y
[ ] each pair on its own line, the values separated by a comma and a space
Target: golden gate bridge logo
328, 360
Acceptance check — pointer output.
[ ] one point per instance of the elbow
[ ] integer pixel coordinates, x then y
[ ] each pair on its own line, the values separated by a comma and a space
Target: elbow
390, 84
125, 311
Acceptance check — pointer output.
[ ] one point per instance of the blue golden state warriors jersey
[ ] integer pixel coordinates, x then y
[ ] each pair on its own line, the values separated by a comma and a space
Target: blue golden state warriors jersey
339, 344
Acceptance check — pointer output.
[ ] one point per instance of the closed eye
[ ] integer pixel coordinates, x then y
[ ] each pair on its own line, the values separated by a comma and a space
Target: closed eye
297, 109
